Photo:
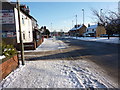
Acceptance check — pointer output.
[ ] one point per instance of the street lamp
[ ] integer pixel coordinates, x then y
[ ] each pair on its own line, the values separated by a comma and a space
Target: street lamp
101, 12
21, 40
76, 26
51, 29
83, 15
100, 18
72, 23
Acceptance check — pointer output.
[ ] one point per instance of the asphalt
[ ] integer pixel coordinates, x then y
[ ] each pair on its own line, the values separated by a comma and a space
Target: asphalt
106, 55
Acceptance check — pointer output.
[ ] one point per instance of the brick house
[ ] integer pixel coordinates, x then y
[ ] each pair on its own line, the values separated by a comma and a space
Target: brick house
77, 30
95, 30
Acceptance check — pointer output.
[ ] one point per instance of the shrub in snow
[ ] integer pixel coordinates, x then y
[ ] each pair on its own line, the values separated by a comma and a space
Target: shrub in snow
8, 50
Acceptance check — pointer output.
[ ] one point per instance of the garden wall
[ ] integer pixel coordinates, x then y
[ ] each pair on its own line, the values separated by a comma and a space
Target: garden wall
8, 66
40, 41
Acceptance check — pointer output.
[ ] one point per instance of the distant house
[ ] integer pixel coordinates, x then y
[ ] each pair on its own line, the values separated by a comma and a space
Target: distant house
77, 30
95, 30
10, 25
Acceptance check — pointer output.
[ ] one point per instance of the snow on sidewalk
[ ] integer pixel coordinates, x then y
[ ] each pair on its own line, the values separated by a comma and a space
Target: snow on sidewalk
58, 74
49, 45
100, 39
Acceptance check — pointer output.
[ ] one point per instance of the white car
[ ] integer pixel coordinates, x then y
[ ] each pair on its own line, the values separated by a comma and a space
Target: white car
87, 35
116, 35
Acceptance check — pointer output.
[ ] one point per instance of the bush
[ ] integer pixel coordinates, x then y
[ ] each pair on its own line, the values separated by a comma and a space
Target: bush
8, 50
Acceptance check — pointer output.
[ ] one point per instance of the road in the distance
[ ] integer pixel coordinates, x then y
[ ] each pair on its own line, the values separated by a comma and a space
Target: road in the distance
103, 54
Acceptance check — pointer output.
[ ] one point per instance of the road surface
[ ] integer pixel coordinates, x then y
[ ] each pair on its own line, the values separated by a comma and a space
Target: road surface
103, 54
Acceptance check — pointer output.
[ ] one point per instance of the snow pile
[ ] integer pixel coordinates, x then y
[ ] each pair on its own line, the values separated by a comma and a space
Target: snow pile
49, 45
100, 39
58, 74
2, 57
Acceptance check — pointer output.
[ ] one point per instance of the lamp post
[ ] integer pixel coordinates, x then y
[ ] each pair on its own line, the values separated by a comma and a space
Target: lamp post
20, 33
51, 28
101, 12
83, 15
100, 18
76, 20
76, 26
72, 23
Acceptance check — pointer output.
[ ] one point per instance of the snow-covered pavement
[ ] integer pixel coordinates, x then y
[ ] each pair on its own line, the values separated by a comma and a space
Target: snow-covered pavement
58, 73
100, 39
49, 45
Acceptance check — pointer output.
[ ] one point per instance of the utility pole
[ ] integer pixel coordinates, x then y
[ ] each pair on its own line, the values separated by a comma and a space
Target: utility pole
20, 33
83, 16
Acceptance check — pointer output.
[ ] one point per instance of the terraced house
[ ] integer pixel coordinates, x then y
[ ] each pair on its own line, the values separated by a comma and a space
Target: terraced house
10, 26
78, 30
95, 30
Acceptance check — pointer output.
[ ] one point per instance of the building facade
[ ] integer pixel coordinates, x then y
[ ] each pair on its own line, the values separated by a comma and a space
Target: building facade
95, 30
77, 30
10, 25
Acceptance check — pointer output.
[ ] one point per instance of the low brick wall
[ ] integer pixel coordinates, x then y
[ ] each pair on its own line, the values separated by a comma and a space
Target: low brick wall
8, 66
40, 41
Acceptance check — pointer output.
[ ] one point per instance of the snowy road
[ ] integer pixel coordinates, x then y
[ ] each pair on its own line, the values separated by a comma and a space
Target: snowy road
53, 69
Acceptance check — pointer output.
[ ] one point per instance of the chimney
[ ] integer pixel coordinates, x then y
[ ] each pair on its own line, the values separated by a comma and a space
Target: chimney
75, 26
88, 25
78, 25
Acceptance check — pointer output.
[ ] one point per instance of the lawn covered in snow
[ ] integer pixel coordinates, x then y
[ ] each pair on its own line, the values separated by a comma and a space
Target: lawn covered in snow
100, 39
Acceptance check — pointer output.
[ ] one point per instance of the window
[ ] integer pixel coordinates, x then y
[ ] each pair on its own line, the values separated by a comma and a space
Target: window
87, 30
22, 19
23, 35
93, 30
29, 34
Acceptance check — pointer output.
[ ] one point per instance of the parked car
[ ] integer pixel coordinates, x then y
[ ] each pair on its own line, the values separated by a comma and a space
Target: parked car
115, 35
87, 35
104, 35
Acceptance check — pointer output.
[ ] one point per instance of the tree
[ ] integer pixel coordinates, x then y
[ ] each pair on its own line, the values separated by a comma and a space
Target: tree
110, 20
44, 30
47, 32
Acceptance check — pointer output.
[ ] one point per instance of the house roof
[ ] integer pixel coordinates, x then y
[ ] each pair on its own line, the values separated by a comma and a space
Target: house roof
76, 28
92, 27
13, 4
